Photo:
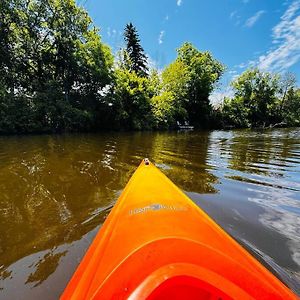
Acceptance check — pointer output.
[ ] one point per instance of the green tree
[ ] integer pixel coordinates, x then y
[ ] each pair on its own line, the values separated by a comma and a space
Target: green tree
291, 108
234, 113
202, 72
138, 59
52, 48
155, 85
287, 85
262, 99
131, 100
164, 104
164, 111
256, 92
174, 93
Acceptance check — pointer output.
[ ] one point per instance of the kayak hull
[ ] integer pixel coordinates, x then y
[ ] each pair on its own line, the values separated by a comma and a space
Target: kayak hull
157, 244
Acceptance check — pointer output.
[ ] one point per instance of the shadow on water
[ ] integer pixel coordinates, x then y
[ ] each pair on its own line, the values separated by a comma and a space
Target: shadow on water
55, 192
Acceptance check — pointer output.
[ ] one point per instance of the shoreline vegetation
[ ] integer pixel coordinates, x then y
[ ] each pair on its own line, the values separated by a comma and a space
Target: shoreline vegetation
58, 76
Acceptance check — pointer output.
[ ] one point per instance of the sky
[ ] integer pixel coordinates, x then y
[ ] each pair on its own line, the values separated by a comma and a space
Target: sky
239, 33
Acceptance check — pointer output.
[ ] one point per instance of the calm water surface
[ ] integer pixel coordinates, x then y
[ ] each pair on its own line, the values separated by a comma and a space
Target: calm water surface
56, 191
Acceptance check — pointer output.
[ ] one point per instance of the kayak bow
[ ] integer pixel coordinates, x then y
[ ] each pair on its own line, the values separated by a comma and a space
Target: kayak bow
157, 244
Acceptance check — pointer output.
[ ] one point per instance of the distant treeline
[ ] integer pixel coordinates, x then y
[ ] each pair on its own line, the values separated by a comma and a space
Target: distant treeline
56, 75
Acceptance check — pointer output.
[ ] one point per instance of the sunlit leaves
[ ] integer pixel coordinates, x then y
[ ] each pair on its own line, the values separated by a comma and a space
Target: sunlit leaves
260, 99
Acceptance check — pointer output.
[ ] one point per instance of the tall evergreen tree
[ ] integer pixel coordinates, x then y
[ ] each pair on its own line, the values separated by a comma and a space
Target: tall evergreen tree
138, 59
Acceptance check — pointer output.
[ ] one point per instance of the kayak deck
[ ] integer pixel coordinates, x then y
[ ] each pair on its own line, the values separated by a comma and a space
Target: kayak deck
157, 244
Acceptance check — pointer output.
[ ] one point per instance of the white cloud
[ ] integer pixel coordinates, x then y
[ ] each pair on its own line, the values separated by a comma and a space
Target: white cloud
284, 53
167, 18
252, 20
179, 2
242, 65
154, 64
217, 98
286, 41
161, 36
232, 14
111, 33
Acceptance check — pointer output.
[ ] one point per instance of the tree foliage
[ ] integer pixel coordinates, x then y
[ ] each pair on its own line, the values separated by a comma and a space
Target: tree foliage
204, 72
132, 100
291, 108
175, 81
57, 75
261, 99
53, 62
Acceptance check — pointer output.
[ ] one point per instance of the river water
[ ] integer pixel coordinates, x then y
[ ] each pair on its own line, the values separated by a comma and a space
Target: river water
56, 191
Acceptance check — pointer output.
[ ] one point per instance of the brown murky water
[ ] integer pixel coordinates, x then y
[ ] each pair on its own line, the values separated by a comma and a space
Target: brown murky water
55, 192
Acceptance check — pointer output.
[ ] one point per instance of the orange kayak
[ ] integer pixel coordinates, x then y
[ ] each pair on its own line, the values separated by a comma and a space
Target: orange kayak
157, 244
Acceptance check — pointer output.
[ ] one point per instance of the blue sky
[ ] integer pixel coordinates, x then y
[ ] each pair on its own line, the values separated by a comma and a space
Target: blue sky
240, 33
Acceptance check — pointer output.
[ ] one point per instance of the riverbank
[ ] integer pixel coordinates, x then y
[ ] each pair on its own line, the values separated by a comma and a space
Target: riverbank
70, 81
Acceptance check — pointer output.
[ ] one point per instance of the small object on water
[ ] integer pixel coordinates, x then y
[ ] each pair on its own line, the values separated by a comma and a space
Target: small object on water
184, 126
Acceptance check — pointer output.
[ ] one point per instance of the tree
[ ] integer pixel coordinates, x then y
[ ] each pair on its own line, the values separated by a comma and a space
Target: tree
291, 111
287, 84
175, 81
165, 107
234, 113
192, 78
257, 91
138, 59
57, 75
52, 48
132, 100
262, 99
164, 111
